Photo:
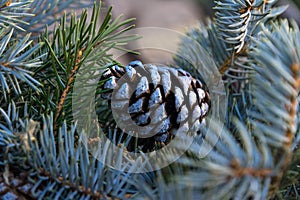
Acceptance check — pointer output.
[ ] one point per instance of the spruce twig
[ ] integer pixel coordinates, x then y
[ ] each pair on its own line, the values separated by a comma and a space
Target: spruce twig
240, 171
67, 88
290, 135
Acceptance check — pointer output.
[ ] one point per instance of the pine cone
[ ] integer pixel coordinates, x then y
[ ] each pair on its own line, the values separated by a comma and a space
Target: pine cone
156, 102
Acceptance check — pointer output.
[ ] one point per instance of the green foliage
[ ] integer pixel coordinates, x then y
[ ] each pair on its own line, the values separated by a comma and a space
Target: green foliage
273, 67
58, 165
77, 47
248, 160
12, 14
17, 64
258, 57
41, 149
46, 154
238, 20
34, 15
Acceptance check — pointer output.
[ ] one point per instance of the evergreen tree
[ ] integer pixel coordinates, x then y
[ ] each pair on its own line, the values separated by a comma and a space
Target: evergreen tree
247, 56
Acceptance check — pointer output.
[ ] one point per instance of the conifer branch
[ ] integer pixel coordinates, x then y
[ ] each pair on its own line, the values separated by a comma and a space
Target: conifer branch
16, 62
237, 22
276, 88
72, 47
292, 107
290, 132
12, 14
68, 86
61, 182
73, 186
229, 61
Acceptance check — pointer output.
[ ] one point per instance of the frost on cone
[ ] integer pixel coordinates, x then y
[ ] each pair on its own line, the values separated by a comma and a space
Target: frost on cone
155, 102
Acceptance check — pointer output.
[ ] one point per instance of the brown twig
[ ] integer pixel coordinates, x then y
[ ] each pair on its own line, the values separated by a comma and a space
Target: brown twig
286, 154
67, 89
77, 187
69, 84
8, 3
228, 62
240, 171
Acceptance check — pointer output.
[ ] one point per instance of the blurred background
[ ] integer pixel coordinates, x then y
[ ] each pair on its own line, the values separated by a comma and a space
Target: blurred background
169, 19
